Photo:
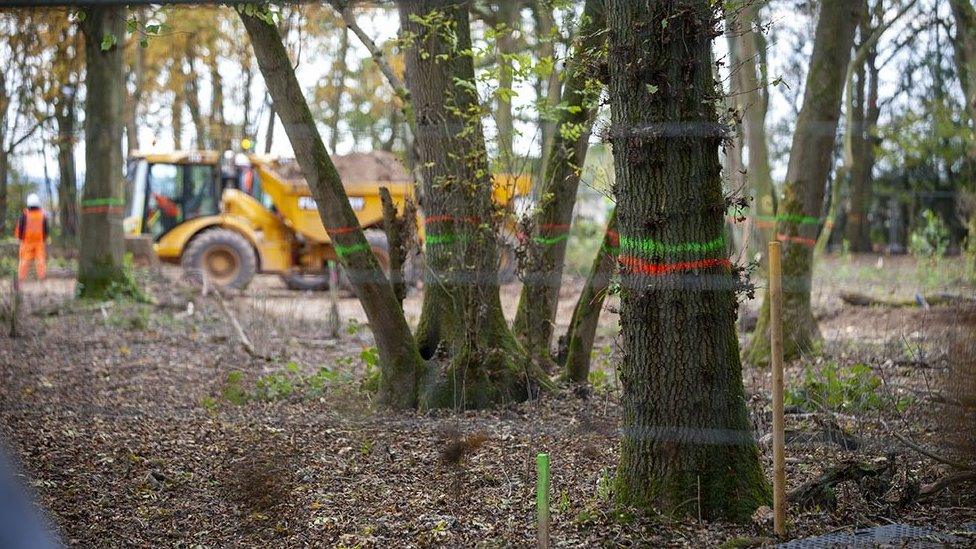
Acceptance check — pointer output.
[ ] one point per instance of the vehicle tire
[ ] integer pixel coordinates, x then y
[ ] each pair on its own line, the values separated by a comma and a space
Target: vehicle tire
306, 282
226, 257
318, 282
381, 249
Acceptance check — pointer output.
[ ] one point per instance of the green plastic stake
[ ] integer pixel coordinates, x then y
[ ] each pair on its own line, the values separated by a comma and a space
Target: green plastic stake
542, 499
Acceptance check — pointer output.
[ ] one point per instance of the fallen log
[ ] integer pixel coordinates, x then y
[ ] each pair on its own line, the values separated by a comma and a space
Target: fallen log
864, 300
821, 492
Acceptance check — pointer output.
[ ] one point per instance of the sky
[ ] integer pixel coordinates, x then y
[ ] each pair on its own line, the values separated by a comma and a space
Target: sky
788, 30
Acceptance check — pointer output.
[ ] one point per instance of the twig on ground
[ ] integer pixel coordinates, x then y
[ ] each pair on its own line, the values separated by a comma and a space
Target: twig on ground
941, 459
930, 490
238, 329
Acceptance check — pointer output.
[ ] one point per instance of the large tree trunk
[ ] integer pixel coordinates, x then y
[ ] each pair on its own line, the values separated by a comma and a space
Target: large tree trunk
340, 71
400, 364
806, 179
68, 182
586, 315
686, 445
547, 244
478, 361
100, 268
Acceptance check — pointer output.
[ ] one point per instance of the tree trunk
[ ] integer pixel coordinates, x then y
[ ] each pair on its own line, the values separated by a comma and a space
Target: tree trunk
964, 50
100, 268
479, 362
866, 112
132, 103
269, 134
68, 182
508, 14
4, 161
340, 71
686, 446
177, 113
400, 364
586, 316
752, 100
551, 86
806, 179
4, 180
192, 91
547, 245
220, 138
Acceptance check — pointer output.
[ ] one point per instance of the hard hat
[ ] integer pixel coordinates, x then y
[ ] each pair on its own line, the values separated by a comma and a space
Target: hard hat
33, 201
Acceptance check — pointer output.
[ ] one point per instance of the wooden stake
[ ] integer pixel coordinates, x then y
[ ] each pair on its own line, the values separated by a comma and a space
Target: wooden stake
542, 499
776, 346
335, 322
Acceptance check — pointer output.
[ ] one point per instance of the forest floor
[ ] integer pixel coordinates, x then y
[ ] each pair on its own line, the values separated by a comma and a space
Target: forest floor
147, 425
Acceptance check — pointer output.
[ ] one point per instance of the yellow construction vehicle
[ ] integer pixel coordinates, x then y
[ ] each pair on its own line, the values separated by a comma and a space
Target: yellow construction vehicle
227, 217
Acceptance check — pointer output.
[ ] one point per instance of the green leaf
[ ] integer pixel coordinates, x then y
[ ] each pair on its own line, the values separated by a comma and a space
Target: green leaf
651, 89
108, 41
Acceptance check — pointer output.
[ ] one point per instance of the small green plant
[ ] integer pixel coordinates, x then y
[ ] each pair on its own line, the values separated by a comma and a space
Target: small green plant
134, 318
233, 389
833, 388
931, 238
274, 386
563, 506
353, 327
604, 485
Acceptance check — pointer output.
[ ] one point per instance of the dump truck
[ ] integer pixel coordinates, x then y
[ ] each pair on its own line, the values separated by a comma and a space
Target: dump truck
226, 217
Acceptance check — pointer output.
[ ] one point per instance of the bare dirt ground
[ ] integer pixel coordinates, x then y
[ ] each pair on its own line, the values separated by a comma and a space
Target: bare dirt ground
144, 425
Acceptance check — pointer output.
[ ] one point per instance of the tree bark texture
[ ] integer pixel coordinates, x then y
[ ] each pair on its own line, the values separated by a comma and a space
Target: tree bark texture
686, 446
102, 245
400, 363
550, 228
477, 361
858, 227
68, 180
806, 179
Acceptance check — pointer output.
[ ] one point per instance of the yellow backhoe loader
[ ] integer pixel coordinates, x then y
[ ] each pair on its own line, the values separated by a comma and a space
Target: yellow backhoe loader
227, 217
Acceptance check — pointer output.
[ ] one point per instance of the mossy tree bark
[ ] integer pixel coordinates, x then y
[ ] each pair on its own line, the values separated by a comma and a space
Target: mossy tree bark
400, 363
476, 361
102, 244
550, 228
806, 179
686, 440
586, 315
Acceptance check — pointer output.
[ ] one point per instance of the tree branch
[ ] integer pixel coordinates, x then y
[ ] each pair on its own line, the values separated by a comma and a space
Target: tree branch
26, 136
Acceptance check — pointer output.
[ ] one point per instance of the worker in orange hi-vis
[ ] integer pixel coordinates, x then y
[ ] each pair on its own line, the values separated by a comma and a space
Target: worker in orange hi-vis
32, 232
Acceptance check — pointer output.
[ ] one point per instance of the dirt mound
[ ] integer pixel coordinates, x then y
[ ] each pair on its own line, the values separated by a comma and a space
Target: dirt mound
355, 168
